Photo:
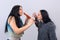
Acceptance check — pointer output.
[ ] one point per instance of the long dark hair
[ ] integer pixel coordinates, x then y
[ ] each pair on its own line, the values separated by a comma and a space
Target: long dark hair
14, 13
45, 16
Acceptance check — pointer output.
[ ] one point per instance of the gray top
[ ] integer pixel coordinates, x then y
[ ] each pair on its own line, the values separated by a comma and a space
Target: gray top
46, 31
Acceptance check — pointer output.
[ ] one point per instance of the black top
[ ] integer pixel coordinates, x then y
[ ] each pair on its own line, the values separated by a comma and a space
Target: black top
46, 31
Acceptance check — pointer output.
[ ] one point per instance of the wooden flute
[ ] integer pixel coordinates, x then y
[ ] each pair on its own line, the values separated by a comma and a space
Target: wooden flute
28, 17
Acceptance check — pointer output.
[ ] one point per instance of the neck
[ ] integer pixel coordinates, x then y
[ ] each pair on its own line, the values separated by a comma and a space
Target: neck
41, 20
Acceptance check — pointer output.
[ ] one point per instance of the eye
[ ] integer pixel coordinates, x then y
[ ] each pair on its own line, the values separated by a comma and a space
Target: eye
38, 14
20, 9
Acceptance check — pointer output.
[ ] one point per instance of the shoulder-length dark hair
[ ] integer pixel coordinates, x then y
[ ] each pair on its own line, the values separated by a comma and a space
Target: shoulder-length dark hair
14, 13
45, 16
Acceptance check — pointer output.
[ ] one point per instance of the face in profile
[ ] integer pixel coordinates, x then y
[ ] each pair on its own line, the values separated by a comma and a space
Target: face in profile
20, 11
39, 16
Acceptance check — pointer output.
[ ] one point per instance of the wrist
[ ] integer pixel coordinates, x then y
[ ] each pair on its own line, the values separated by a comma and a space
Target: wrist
27, 25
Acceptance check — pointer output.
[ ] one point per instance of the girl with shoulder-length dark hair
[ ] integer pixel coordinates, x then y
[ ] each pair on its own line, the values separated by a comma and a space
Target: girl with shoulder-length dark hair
46, 28
14, 26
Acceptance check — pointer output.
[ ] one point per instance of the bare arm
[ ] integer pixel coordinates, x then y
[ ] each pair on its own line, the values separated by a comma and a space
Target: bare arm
20, 30
27, 17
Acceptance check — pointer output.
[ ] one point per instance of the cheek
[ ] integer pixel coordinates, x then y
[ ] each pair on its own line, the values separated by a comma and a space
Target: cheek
40, 17
20, 12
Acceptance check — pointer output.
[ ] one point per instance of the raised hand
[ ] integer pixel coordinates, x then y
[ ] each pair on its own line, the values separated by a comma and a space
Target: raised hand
34, 15
27, 18
30, 22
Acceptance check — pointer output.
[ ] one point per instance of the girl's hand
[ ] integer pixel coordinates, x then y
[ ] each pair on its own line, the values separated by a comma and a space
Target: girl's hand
30, 22
34, 15
27, 18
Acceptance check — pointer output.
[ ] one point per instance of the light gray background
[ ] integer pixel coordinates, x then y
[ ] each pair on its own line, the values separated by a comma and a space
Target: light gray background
30, 6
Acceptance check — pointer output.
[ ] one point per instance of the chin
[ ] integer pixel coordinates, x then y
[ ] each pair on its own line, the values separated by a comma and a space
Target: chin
21, 15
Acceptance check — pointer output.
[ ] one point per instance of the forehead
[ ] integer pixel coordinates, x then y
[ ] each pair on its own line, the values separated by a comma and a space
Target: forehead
39, 13
20, 7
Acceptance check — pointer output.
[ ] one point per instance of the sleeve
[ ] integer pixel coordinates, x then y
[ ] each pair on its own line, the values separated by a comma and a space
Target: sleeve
52, 34
37, 23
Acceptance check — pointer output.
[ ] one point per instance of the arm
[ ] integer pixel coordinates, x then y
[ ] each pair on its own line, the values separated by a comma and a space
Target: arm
37, 23
19, 30
27, 17
52, 34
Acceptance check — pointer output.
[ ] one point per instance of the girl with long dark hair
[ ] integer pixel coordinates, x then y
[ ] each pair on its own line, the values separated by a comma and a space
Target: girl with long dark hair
46, 28
14, 26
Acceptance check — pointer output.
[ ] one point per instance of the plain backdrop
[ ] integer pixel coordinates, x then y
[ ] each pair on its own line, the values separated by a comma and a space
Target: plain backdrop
30, 6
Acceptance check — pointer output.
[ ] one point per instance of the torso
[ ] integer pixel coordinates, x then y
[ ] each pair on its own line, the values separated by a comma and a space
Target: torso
43, 31
10, 34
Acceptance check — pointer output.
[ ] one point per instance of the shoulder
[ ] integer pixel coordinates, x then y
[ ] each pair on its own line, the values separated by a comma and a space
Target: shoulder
11, 18
51, 25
